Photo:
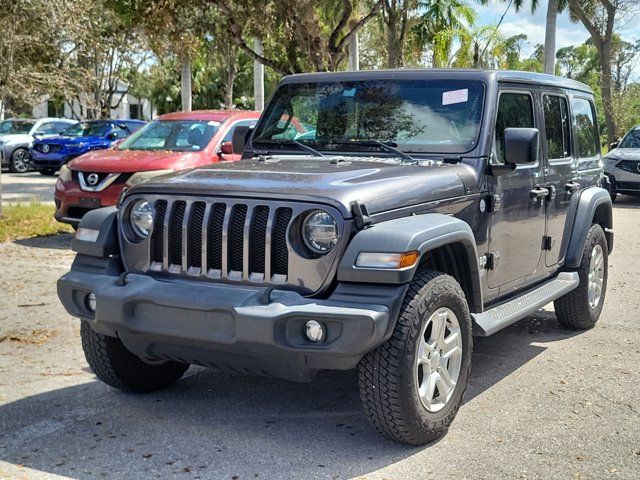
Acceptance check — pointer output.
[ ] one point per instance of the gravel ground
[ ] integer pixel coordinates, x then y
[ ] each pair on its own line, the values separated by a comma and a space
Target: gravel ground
27, 187
542, 402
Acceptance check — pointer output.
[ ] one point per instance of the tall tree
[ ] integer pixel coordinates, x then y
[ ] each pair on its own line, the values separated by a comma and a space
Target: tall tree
599, 18
299, 35
396, 16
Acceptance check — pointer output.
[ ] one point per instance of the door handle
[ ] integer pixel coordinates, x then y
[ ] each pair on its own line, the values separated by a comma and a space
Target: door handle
572, 187
538, 192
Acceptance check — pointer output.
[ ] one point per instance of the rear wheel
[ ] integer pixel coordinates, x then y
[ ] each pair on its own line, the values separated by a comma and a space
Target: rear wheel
116, 366
20, 161
580, 308
412, 385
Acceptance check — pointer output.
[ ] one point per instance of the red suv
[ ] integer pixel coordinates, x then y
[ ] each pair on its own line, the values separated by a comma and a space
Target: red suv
175, 141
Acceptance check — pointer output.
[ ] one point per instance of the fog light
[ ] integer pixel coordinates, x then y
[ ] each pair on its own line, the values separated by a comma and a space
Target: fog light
314, 331
91, 302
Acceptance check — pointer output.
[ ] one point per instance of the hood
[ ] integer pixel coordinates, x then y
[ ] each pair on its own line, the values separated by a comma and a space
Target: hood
379, 184
128, 161
16, 138
624, 154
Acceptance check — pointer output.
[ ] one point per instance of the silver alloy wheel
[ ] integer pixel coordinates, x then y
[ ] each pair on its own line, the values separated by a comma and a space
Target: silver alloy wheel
596, 276
20, 160
438, 359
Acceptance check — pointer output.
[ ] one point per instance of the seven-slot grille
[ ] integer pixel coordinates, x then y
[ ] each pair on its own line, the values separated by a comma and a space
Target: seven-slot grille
221, 239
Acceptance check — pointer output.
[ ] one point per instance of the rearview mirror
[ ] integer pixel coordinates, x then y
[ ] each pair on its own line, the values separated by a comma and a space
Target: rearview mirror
521, 145
226, 148
613, 145
240, 138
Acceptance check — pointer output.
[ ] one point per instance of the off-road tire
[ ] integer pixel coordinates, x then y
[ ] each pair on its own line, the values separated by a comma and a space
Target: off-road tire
386, 377
116, 366
18, 163
572, 309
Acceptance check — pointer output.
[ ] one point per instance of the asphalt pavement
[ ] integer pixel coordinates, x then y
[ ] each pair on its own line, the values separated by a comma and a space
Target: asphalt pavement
542, 402
27, 187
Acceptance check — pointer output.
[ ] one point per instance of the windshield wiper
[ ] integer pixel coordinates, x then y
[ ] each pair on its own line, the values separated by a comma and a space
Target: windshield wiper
377, 143
286, 141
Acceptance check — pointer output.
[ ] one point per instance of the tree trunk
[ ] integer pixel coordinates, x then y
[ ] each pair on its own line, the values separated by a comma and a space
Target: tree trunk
354, 57
550, 38
185, 85
393, 49
258, 78
230, 80
606, 92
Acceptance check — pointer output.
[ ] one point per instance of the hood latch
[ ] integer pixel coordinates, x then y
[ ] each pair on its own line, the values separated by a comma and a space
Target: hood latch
360, 215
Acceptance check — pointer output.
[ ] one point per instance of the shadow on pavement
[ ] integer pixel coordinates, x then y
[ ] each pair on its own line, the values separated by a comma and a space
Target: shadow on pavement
217, 425
627, 201
61, 241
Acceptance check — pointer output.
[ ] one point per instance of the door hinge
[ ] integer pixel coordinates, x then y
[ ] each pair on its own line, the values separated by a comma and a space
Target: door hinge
547, 242
490, 260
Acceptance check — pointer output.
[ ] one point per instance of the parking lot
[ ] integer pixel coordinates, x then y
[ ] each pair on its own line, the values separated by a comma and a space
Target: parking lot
542, 402
25, 187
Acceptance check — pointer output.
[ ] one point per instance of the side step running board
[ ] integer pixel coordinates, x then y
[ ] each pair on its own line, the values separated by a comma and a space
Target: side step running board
508, 313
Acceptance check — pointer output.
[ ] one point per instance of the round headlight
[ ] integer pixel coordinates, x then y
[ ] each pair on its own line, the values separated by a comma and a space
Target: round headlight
319, 232
141, 218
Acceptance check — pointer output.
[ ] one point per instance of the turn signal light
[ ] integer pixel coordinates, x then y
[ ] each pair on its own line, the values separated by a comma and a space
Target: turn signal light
391, 261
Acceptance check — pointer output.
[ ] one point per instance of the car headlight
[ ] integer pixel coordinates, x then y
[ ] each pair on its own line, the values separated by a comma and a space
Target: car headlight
141, 218
140, 177
319, 232
65, 174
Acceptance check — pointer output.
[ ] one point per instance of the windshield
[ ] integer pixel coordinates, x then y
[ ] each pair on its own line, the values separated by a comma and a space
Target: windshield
15, 126
87, 129
174, 135
430, 116
631, 139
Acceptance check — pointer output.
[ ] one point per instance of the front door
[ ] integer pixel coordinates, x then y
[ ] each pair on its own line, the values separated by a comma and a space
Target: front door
518, 219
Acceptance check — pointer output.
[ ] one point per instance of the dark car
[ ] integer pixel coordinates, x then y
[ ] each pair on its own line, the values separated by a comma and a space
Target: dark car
422, 208
49, 154
622, 165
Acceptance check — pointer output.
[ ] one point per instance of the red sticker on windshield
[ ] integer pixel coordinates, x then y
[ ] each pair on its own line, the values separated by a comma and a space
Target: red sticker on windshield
455, 96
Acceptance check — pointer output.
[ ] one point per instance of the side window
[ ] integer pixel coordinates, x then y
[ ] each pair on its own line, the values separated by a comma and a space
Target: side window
48, 128
586, 135
60, 126
557, 126
515, 110
243, 123
122, 133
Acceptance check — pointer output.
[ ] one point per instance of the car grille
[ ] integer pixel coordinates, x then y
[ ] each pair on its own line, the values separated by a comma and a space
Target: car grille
629, 165
221, 239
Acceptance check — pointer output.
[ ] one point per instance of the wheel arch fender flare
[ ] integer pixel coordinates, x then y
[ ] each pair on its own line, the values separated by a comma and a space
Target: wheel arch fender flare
594, 206
105, 242
422, 233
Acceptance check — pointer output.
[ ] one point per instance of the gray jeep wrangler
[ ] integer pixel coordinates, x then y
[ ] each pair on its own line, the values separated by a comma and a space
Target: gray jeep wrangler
378, 220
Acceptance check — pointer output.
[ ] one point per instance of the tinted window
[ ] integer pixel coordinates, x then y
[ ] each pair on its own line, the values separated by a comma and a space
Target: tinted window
175, 135
557, 127
48, 128
514, 111
15, 126
586, 136
86, 129
631, 139
435, 116
243, 123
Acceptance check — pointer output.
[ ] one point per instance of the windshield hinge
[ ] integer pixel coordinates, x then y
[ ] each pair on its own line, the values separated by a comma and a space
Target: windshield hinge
360, 215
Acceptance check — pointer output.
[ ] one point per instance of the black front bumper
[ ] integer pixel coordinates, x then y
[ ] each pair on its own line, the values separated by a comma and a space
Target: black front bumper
233, 327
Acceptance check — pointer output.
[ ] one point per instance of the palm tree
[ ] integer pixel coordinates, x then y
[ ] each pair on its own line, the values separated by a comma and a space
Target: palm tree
442, 16
480, 47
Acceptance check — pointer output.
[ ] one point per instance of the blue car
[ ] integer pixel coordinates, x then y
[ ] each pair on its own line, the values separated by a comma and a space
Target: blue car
49, 154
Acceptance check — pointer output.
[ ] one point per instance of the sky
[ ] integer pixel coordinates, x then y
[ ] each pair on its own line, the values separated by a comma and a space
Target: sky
533, 25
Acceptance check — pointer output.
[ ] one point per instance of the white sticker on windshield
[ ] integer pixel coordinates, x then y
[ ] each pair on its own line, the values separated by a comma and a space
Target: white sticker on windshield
213, 123
455, 96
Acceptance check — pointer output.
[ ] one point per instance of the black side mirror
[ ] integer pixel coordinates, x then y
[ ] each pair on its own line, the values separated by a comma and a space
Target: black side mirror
521, 145
613, 145
240, 138
112, 135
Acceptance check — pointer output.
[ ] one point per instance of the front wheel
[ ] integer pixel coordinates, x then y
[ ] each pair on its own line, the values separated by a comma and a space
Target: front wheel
412, 385
580, 308
116, 366
20, 161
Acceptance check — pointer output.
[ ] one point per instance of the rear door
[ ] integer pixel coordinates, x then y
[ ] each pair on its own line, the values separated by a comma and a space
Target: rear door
560, 171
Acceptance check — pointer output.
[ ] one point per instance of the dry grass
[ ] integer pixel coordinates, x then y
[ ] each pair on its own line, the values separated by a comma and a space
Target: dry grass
21, 220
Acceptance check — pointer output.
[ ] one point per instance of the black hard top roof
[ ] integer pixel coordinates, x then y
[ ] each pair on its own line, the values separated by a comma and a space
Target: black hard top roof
487, 76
